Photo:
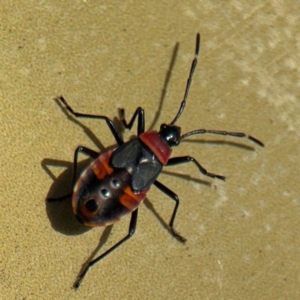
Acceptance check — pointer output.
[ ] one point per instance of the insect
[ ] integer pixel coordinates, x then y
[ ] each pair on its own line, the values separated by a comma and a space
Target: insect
117, 181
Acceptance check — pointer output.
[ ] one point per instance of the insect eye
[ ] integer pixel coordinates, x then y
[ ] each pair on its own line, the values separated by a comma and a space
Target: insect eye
105, 193
116, 183
91, 205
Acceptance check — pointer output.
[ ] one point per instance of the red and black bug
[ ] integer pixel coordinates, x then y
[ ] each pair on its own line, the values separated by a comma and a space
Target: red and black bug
117, 181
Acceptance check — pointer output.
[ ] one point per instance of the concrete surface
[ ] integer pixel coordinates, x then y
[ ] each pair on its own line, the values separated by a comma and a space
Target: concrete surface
242, 234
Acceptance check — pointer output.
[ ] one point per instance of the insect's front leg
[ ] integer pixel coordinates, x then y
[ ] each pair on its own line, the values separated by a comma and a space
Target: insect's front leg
109, 122
141, 119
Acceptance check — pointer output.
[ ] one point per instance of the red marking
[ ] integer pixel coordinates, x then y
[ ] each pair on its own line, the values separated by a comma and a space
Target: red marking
99, 169
128, 202
101, 166
105, 158
161, 150
137, 196
132, 200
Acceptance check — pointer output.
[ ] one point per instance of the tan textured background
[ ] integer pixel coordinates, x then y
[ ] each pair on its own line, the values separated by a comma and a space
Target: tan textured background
243, 235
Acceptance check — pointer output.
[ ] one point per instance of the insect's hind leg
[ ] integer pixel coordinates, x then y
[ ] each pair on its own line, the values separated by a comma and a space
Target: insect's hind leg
174, 197
84, 150
109, 122
141, 119
131, 231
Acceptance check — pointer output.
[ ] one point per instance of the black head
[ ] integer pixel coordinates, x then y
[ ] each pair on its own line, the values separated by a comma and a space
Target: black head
171, 134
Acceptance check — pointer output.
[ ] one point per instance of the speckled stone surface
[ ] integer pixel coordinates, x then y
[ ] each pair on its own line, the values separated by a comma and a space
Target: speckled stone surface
242, 235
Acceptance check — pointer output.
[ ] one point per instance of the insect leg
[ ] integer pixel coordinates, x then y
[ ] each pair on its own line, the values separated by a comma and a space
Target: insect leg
185, 159
174, 197
84, 150
131, 231
109, 122
141, 119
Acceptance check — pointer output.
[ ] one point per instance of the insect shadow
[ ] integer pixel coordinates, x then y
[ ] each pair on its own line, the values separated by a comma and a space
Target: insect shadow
61, 214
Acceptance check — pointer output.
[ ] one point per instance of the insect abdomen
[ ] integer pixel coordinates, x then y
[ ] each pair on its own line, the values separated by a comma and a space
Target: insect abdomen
103, 195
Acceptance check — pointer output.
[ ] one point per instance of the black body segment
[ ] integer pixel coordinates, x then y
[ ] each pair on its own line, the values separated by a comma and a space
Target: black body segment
139, 161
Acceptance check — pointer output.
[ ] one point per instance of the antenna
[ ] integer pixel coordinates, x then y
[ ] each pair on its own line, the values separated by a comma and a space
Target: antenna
189, 81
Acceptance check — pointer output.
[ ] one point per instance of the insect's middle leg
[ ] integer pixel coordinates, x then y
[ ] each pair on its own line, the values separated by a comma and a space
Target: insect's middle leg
185, 159
84, 150
141, 119
131, 231
174, 197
